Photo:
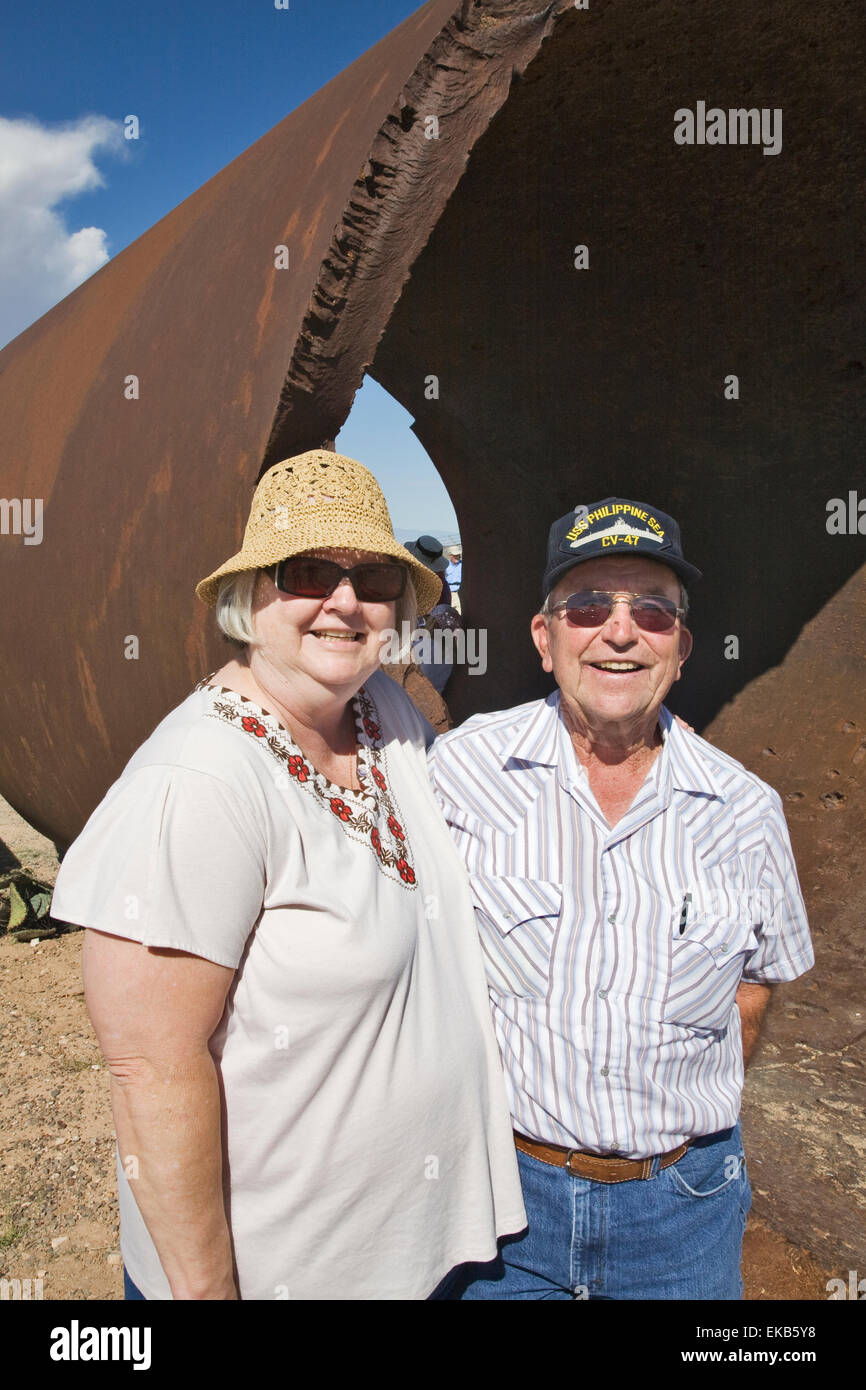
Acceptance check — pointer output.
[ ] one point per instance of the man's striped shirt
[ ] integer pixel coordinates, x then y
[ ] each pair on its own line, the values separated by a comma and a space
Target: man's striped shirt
612, 991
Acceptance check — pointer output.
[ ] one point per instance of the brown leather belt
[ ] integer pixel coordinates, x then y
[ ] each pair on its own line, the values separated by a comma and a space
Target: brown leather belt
598, 1167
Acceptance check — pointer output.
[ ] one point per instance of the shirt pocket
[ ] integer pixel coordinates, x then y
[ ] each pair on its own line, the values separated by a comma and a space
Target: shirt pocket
707, 963
517, 919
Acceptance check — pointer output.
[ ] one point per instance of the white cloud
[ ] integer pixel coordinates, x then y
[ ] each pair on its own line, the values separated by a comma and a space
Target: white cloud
41, 260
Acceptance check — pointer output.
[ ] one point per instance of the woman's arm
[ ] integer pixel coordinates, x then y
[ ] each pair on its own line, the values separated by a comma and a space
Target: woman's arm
154, 1011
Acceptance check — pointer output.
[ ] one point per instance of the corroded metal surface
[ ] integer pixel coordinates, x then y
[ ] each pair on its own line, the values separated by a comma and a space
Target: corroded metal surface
454, 257
802, 727
236, 362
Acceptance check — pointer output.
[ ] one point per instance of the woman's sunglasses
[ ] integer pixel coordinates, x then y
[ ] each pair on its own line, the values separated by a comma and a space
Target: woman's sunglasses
307, 577
651, 612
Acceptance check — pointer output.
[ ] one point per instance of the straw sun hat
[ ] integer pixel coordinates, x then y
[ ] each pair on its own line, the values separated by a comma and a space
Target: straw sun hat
314, 501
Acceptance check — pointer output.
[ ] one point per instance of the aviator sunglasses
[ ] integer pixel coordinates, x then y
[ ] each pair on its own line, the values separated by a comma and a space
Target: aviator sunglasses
305, 576
651, 612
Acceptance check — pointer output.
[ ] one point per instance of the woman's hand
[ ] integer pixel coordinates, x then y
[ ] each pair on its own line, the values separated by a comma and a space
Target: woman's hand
154, 1011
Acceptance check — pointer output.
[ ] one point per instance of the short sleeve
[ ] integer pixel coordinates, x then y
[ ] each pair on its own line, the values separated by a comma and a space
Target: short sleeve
785, 951
171, 857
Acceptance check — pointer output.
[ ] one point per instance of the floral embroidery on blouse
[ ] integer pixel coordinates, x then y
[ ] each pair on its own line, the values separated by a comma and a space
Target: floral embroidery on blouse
370, 815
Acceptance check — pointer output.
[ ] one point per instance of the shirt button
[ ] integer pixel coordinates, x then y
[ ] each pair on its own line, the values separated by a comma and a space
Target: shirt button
602, 994
612, 920
605, 1071
723, 948
509, 916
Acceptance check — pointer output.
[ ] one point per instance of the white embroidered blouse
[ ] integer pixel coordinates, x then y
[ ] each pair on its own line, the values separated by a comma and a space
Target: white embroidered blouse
369, 1143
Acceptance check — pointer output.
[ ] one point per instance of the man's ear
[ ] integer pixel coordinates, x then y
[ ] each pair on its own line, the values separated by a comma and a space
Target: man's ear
686, 644
541, 638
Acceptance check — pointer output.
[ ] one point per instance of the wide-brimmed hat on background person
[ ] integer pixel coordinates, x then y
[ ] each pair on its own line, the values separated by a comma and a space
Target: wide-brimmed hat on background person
429, 551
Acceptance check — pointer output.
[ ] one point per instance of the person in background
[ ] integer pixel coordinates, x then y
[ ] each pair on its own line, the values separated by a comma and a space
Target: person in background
433, 655
429, 551
454, 573
281, 963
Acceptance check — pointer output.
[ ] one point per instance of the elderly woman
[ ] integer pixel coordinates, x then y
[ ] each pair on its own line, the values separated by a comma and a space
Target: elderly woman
282, 966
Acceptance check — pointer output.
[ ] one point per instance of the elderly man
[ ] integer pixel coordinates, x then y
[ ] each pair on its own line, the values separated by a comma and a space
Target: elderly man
637, 898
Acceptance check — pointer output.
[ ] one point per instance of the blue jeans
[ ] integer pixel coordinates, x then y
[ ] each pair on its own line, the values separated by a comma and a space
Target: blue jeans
130, 1290
677, 1235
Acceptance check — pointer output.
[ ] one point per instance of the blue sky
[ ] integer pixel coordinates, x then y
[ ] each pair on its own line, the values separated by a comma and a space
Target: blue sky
205, 80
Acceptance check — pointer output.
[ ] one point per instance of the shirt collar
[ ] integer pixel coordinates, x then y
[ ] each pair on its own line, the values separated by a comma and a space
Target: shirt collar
685, 767
688, 767
537, 741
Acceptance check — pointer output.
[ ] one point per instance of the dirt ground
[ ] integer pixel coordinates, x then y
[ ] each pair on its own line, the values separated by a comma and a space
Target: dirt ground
58, 1219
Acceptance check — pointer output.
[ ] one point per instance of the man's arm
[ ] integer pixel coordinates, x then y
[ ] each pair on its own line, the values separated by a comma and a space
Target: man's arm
752, 1001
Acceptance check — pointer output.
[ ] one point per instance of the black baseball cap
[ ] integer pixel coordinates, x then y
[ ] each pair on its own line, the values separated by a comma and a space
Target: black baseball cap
615, 526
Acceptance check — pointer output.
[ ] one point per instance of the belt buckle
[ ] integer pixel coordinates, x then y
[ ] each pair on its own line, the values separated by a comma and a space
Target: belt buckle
568, 1157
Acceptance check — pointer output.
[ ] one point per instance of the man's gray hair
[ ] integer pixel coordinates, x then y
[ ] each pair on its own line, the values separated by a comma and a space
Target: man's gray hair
234, 607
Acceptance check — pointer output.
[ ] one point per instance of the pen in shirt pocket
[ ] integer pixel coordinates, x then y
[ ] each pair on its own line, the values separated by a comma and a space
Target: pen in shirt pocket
684, 914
